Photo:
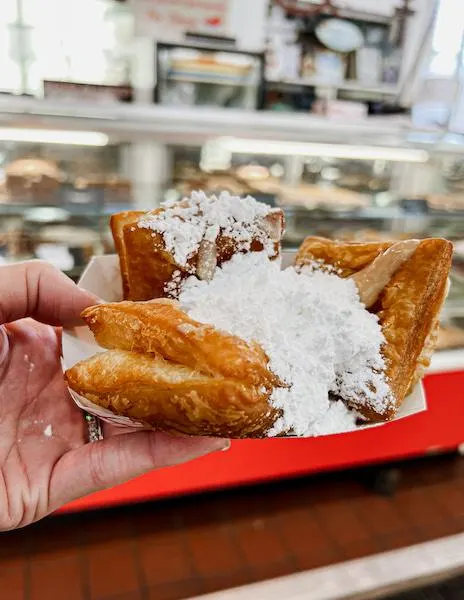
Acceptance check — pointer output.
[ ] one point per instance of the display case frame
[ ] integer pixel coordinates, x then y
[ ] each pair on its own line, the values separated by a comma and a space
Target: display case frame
214, 46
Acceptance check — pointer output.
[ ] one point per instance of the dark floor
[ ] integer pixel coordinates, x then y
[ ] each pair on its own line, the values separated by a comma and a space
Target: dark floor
176, 549
452, 589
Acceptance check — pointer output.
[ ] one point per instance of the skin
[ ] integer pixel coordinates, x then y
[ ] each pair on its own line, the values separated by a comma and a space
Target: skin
40, 472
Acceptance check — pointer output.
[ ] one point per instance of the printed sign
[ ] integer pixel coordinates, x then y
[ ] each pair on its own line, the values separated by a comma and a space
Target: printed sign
169, 20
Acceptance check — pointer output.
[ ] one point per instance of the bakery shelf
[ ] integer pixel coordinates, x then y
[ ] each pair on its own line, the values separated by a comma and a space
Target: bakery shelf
372, 213
346, 85
219, 80
164, 123
366, 214
19, 209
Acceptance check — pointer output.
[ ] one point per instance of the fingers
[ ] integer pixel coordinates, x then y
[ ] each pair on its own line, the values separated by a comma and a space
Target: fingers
112, 461
4, 345
36, 289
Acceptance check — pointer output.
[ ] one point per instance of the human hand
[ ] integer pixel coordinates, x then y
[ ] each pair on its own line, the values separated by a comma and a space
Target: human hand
45, 460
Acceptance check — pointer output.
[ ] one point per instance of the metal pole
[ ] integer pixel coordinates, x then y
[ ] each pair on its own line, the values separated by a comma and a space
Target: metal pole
22, 51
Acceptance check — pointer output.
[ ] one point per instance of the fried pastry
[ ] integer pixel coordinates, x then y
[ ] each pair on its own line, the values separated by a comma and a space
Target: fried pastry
161, 327
173, 373
159, 249
407, 300
248, 349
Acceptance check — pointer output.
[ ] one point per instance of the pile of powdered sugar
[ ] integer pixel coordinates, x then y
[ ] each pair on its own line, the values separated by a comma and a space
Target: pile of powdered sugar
184, 225
319, 338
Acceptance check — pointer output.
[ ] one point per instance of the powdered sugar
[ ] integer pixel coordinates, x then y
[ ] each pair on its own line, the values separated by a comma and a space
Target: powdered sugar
318, 264
318, 336
184, 225
171, 289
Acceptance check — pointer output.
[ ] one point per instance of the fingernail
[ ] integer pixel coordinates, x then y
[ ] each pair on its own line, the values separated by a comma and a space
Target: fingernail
95, 298
4, 344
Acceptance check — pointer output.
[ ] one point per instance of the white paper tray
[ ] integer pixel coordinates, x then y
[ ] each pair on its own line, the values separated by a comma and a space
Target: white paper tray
103, 278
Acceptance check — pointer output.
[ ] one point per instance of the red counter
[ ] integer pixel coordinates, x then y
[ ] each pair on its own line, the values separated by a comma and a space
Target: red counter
441, 427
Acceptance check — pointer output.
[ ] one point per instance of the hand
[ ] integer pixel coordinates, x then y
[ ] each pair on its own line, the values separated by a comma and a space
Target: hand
45, 460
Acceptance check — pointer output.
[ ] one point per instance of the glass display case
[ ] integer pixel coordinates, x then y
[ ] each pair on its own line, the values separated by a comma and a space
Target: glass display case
55, 201
349, 199
207, 75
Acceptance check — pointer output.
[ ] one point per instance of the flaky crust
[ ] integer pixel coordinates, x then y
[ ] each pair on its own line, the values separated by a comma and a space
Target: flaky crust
161, 327
118, 223
147, 267
346, 257
408, 308
171, 372
172, 397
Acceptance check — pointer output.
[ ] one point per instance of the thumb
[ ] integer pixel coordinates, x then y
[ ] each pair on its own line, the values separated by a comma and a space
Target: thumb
38, 290
112, 461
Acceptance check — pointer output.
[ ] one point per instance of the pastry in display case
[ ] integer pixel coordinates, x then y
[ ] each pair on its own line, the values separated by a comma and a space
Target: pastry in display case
261, 180
450, 338
212, 182
201, 64
32, 179
15, 242
67, 247
116, 188
369, 235
328, 198
452, 202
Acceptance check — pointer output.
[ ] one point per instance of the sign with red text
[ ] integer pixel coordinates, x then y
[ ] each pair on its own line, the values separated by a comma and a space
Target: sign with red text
169, 20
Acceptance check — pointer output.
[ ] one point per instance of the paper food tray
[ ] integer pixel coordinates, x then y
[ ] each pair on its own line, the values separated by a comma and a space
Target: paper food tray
102, 277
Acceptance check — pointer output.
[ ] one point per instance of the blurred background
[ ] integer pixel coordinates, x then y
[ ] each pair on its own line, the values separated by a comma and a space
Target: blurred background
349, 114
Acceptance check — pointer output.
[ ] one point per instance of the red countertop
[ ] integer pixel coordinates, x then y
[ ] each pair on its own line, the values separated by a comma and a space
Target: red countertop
439, 428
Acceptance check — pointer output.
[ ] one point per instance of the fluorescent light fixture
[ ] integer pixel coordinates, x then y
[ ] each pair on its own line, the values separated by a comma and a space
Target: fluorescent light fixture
50, 136
275, 147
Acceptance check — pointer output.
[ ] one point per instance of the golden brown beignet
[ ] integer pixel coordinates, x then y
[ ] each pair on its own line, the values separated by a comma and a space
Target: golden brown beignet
117, 224
172, 397
148, 268
161, 327
408, 307
346, 257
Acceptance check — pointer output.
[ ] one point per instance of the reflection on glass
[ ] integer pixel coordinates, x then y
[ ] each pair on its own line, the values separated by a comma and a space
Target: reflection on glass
86, 41
446, 43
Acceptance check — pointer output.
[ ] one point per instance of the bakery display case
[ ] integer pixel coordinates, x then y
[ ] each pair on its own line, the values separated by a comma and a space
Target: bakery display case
54, 203
55, 200
350, 200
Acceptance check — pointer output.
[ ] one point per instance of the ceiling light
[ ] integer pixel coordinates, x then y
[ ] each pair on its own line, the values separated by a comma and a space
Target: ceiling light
274, 147
49, 136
